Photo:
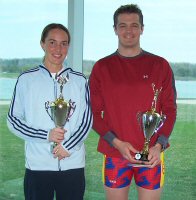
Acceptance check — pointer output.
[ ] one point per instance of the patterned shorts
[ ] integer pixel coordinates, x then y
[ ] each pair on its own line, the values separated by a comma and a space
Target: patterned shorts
117, 173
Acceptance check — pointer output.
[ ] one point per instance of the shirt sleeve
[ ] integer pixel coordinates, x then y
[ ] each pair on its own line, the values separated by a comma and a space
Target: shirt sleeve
84, 122
98, 107
16, 117
168, 105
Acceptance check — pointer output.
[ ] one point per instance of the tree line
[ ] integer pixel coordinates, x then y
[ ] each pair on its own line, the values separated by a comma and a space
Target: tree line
182, 71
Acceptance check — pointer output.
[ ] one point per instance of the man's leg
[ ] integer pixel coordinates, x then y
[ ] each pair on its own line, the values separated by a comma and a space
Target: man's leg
116, 193
117, 175
150, 181
146, 194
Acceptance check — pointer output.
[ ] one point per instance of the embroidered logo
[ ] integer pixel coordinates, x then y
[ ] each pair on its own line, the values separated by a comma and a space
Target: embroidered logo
112, 181
145, 76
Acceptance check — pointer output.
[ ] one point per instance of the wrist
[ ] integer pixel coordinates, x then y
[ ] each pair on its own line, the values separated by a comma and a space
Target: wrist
159, 147
49, 135
109, 137
162, 140
116, 142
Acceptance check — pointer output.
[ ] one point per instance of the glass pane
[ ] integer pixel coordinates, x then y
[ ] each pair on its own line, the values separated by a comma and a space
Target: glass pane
23, 22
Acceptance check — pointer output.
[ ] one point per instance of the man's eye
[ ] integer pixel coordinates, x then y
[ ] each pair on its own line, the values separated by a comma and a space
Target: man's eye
135, 26
52, 42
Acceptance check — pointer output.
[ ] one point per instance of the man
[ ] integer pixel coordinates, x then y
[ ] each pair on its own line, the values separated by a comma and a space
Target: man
123, 85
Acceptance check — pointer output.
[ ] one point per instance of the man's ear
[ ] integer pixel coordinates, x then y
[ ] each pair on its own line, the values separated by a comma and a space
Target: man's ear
115, 31
142, 30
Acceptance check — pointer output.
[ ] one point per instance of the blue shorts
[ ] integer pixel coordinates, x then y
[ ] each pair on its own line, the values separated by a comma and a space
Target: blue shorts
118, 173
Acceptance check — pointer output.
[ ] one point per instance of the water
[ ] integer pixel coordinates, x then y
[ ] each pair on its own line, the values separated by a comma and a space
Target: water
185, 89
6, 88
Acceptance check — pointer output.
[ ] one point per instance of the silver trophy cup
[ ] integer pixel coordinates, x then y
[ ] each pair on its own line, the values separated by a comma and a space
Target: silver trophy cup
151, 122
60, 110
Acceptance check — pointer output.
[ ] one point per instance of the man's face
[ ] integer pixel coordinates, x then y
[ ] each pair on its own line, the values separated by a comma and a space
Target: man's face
128, 30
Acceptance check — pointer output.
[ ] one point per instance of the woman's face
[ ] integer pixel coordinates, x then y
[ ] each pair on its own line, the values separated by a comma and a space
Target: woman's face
55, 47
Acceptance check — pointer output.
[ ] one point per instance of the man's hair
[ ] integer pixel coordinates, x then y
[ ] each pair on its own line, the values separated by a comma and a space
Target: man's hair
129, 9
51, 26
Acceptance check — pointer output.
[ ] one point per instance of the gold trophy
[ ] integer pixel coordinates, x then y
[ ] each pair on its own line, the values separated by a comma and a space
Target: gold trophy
151, 122
60, 110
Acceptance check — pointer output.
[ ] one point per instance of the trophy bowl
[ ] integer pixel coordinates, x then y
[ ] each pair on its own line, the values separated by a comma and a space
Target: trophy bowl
59, 111
151, 122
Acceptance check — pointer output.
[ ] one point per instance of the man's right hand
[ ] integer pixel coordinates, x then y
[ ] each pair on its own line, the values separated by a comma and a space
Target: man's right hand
56, 135
125, 149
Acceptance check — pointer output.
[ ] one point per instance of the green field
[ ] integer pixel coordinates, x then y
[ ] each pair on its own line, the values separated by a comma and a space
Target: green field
180, 180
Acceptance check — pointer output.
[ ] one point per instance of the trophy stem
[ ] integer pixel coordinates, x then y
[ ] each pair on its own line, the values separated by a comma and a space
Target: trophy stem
55, 143
146, 147
145, 151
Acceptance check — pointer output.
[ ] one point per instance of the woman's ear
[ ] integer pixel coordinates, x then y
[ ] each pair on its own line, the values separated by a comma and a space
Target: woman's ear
42, 45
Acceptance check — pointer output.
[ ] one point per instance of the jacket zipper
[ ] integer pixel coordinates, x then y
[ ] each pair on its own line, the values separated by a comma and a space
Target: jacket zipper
55, 97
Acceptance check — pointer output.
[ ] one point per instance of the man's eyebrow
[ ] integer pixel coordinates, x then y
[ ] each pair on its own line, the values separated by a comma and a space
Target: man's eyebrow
121, 23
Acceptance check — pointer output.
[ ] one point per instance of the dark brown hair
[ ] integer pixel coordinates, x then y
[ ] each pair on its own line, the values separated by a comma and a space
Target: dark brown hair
51, 26
130, 8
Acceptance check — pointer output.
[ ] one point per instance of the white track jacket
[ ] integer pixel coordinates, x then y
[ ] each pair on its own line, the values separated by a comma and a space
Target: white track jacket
28, 119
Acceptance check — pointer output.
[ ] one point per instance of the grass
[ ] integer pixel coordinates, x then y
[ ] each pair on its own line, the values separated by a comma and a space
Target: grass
180, 180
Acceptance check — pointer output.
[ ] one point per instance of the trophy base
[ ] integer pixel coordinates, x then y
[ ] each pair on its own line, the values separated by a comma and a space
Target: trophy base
141, 156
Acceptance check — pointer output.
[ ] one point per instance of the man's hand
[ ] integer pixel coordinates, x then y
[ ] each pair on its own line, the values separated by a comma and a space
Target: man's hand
56, 135
154, 155
125, 149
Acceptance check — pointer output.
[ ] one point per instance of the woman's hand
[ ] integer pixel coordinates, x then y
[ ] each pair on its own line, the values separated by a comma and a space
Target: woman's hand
56, 135
60, 152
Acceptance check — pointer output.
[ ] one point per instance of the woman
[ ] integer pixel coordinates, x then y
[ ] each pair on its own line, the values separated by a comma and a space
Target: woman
59, 170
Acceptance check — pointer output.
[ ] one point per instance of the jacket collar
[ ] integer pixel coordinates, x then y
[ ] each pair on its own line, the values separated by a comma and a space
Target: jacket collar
46, 71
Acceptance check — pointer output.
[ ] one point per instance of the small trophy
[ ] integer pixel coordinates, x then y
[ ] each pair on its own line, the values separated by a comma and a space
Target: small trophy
59, 110
151, 122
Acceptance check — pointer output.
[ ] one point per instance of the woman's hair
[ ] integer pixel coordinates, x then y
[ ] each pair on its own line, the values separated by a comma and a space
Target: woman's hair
51, 26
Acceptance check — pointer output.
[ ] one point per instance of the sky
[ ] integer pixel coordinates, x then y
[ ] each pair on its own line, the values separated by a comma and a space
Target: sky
169, 27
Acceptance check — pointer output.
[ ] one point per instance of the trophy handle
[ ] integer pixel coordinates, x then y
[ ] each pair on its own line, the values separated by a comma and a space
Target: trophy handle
47, 106
162, 120
72, 109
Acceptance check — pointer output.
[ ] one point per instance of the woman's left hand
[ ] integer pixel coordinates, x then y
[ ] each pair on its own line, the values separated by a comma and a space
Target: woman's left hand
60, 152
